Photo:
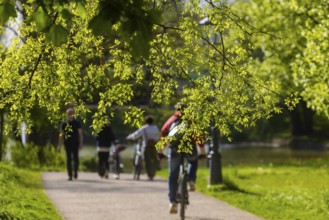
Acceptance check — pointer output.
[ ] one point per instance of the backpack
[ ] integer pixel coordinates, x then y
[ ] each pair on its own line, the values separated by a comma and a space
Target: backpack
175, 135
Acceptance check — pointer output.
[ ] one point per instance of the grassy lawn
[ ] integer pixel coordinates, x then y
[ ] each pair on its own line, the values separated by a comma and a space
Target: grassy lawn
295, 190
22, 195
275, 187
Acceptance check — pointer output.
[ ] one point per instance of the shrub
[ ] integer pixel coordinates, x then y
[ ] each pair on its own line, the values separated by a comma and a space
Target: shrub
37, 157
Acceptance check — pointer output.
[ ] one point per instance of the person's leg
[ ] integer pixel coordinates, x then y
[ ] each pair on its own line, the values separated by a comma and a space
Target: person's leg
101, 164
75, 152
174, 162
104, 166
150, 158
106, 161
68, 152
192, 168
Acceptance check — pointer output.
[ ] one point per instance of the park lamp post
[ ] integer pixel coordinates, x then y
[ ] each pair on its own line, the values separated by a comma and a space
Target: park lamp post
214, 155
214, 158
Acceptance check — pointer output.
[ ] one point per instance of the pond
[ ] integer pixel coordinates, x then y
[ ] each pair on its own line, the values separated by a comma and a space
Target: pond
264, 154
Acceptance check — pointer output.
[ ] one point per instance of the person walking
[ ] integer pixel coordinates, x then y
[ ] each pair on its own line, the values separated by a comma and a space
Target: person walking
172, 125
104, 140
71, 135
150, 135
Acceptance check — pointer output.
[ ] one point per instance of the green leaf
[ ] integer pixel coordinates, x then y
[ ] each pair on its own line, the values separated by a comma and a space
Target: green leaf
100, 25
7, 10
142, 37
67, 15
140, 46
41, 19
155, 16
57, 35
81, 10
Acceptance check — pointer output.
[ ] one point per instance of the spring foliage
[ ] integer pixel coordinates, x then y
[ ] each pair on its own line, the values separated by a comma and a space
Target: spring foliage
296, 50
72, 52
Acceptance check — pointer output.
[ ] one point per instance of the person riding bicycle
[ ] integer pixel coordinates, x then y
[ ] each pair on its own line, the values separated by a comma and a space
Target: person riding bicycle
175, 157
150, 135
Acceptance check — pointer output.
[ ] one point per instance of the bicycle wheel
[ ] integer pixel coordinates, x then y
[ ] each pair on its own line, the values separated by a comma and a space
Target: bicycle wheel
183, 195
137, 167
117, 164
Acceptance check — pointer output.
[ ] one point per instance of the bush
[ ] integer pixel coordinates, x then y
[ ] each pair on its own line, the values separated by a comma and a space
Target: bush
37, 157
88, 164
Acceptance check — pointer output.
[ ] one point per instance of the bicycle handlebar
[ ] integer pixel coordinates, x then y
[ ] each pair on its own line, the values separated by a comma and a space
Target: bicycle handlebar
200, 156
162, 156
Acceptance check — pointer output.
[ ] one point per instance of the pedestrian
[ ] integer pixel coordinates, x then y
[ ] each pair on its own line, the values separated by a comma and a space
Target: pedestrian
174, 158
71, 135
150, 135
104, 140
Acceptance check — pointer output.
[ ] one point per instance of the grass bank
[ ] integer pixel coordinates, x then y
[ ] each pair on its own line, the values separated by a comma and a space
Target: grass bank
22, 195
294, 189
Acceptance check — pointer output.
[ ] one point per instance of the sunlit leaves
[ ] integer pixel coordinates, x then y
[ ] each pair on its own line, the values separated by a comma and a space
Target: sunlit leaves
135, 19
41, 19
81, 10
117, 45
300, 59
134, 116
57, 34
7, 10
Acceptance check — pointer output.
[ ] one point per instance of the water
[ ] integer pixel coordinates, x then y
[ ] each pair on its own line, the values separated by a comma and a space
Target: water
264, 154
237, 155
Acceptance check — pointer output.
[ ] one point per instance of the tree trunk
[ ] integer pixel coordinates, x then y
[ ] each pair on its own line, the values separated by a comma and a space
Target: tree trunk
215, 160
1, 134
302, 120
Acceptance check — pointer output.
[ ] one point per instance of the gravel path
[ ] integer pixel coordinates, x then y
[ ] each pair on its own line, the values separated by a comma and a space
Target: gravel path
93, 198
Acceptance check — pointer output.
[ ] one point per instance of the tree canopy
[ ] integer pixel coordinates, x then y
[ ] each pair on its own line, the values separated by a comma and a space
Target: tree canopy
295, 53
95, 52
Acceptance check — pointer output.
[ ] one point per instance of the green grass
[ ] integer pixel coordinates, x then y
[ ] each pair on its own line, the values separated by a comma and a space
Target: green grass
292, 190
22, 196
275, 184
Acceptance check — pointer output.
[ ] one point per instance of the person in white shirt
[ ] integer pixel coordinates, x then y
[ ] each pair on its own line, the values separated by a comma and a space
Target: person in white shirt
150, 135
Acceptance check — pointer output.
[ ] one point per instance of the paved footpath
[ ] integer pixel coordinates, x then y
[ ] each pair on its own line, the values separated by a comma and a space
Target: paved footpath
93, 198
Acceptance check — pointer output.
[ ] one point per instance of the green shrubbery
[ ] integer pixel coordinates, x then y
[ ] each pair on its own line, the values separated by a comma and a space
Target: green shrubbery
35, 157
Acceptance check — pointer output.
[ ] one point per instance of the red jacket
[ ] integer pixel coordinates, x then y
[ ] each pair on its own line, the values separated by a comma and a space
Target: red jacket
166, 126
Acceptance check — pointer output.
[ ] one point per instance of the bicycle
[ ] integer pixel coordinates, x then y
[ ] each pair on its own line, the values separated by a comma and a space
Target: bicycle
147, 160
182, 193
116, 165
138, 161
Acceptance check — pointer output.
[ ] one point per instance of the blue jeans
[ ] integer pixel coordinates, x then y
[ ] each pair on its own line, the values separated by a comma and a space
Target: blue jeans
174, 169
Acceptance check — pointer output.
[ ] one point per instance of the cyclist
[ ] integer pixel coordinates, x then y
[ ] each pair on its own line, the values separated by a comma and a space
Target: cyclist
150, 134
174, 157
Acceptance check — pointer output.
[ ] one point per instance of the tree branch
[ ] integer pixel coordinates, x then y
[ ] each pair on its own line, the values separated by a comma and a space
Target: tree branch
236, 21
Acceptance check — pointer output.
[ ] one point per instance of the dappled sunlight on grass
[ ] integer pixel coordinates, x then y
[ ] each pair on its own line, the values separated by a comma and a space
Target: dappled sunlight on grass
274, 192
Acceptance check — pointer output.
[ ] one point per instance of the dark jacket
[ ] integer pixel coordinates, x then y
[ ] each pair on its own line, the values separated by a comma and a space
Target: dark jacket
105, 137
